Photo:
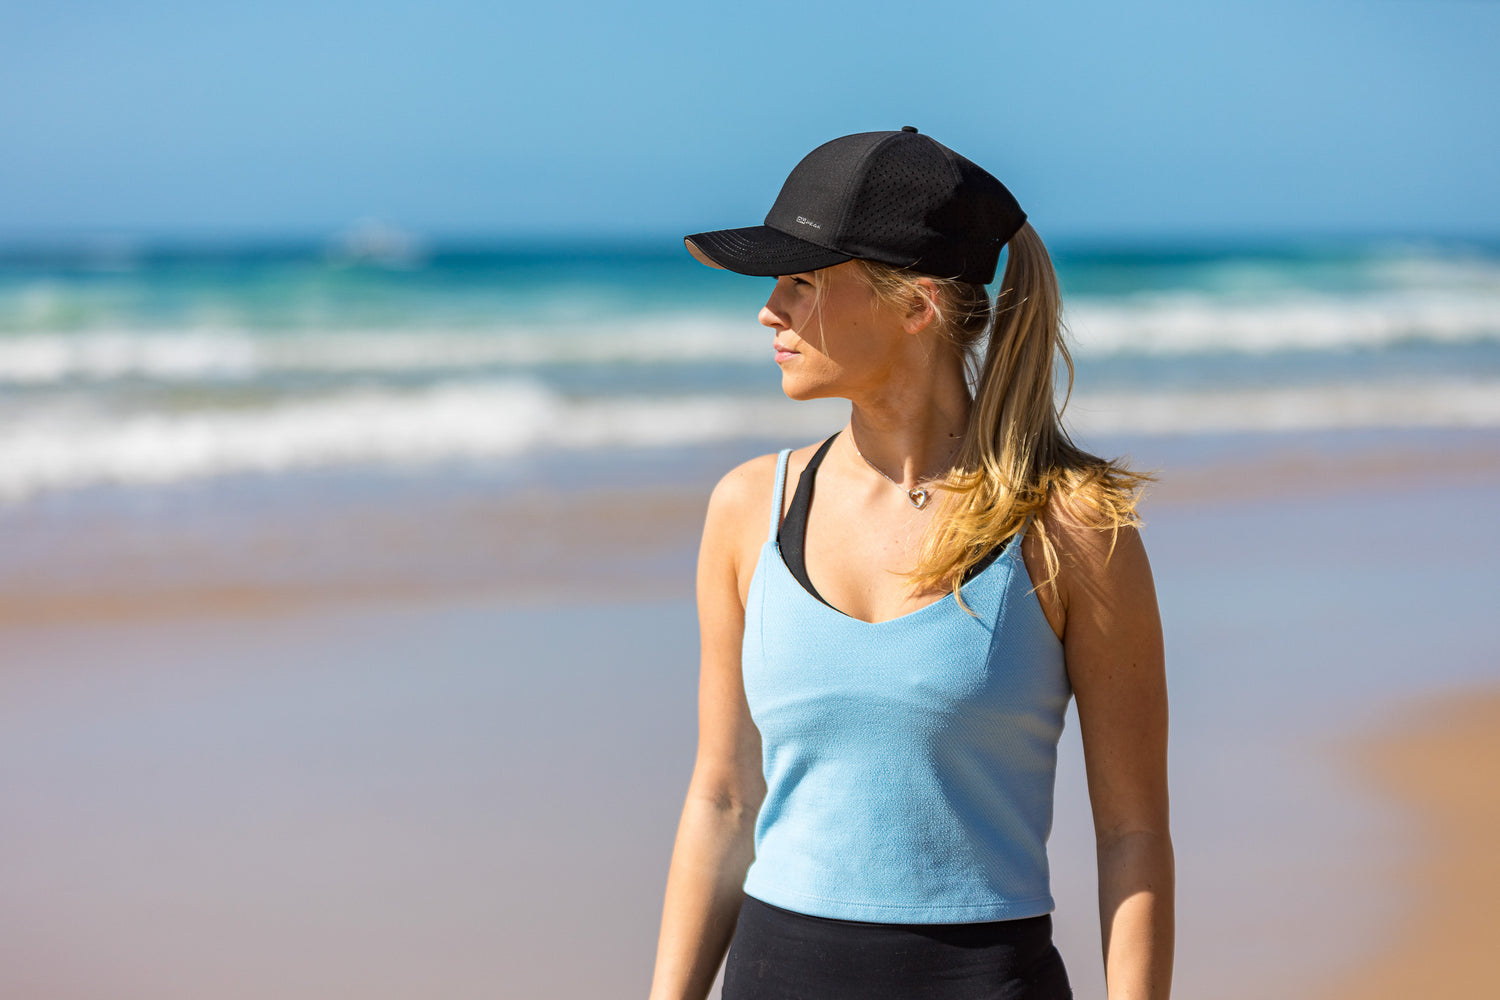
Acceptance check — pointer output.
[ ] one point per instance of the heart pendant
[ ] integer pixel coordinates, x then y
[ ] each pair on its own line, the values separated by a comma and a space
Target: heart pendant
918, 498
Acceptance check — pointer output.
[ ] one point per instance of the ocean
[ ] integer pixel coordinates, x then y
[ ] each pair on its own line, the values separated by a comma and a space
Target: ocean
123, 366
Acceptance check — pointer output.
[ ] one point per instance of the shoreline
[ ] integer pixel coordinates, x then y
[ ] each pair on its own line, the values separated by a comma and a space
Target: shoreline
629, 530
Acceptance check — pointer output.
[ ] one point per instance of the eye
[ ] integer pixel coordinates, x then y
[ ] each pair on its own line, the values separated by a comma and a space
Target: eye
799, 281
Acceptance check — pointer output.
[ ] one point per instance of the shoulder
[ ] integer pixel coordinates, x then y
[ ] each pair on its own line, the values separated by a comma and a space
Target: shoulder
1086, 536
739, 511
745, 492
738, 522
1095, 560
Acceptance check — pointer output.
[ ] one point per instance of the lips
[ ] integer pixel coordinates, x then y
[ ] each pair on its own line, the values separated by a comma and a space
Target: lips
783, 352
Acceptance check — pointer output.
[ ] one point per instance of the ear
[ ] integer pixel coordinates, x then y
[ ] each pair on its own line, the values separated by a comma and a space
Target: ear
923, 310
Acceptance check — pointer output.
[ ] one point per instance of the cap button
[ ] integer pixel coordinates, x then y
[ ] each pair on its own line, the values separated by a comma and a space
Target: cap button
908, 128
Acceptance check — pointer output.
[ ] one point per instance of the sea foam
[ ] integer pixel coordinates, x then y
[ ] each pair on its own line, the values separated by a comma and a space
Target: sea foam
1179, 324
77, 445
166, 355
1186, 323
71, 446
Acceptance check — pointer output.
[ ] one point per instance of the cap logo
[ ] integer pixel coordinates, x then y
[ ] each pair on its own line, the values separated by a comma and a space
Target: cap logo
809, 222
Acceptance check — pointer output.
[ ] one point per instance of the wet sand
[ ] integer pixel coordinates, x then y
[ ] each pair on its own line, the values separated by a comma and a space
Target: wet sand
524, 545
390, 748
183, 558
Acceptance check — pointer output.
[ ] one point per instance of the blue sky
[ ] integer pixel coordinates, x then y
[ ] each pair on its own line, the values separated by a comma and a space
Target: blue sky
452, 117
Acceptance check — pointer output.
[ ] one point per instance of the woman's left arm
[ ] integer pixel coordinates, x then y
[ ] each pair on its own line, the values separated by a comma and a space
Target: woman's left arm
1112, 641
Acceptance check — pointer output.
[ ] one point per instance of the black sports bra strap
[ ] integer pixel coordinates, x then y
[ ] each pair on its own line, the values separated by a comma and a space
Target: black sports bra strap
792, 539
794, 527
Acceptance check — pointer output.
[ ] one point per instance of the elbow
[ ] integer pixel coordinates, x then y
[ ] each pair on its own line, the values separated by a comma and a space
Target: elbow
1137, 859
736, 802
1135, 842
1156, 836
741, 809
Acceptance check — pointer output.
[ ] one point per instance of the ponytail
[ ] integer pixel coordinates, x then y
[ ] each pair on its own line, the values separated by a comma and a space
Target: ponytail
1015, 456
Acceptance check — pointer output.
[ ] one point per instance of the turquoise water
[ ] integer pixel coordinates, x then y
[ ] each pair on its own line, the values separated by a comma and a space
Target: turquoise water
130, 366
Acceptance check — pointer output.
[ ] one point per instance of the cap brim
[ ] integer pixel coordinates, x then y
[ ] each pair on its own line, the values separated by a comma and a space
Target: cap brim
761, 251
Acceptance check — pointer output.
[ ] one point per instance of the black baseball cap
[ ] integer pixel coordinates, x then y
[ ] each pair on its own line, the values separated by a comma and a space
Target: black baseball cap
900, 198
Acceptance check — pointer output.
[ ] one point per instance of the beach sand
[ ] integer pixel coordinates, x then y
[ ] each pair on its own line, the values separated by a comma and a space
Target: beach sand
1440, 761
528, 544
434, 742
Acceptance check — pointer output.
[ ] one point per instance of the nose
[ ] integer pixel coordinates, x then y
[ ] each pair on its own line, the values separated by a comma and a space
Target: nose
771, 314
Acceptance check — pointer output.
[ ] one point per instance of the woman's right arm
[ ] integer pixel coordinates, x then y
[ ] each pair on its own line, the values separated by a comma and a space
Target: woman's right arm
715, 838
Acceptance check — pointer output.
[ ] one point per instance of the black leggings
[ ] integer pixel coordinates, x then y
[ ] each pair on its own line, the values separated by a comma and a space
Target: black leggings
780, 955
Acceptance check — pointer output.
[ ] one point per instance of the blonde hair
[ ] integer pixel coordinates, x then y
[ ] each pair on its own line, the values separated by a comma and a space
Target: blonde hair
1015, 456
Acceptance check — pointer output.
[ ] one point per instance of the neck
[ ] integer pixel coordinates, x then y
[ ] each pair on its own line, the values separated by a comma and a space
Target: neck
911, 427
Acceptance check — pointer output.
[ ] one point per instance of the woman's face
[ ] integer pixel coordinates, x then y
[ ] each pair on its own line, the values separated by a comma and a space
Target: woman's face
833, 336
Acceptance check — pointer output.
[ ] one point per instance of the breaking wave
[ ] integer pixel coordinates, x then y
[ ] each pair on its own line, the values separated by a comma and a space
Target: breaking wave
77, 445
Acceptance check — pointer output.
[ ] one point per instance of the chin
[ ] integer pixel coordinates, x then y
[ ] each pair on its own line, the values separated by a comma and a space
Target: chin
820, 380
803, 390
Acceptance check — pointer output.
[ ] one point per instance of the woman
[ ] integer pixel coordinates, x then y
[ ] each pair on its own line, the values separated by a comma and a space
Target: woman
893, 620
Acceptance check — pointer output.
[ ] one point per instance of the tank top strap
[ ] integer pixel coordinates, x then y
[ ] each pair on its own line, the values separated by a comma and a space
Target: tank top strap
1012, 546
779, 492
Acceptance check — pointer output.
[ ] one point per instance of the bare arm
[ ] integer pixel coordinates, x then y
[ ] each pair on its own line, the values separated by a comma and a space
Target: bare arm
715, 838
1113, 645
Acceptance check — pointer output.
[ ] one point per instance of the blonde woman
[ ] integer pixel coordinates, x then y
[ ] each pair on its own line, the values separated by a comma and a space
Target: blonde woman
893, 620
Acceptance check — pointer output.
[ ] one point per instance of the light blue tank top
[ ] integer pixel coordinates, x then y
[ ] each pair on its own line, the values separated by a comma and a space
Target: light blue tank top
909, 763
